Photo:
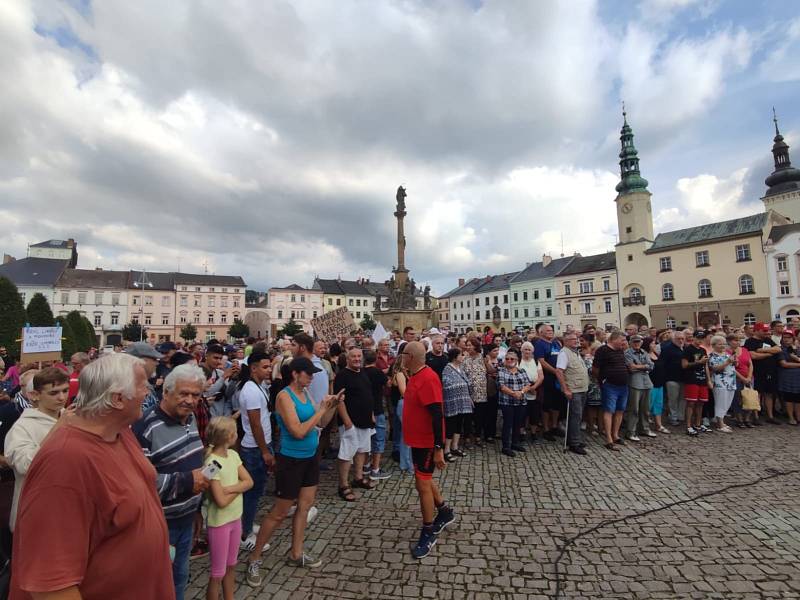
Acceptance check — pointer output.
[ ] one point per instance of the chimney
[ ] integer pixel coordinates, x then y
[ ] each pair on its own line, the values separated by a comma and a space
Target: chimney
7, 258
546, 259
70, 243
460, 279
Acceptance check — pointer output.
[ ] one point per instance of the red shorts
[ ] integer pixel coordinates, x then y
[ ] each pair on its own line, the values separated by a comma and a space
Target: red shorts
695, 392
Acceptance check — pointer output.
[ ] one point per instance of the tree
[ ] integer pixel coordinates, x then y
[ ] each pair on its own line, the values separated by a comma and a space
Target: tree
367, 323
133, 332
12, 316
239, 329
291, 329
91, 334
38, 312
189, 332
68, 345
83, 340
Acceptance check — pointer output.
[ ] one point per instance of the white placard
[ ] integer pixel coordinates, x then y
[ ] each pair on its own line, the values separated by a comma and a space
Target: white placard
380, 333
41, 339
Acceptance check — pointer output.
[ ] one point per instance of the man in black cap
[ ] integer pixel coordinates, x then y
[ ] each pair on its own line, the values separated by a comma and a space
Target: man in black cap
151, 360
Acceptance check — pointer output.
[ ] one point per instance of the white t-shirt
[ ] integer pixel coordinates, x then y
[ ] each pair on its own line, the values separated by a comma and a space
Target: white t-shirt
254, 397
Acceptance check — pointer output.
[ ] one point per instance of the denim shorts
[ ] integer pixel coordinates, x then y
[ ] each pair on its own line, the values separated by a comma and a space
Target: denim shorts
379, 437
615, 398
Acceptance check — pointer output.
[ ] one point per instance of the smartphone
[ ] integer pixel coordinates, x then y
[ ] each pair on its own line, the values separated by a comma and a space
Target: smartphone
210, 470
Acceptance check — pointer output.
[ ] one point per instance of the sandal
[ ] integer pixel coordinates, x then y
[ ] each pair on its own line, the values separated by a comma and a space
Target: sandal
611, 446
346, 494
364, 484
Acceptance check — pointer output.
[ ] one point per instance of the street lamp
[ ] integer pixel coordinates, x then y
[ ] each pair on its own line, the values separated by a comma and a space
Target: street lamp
142, 284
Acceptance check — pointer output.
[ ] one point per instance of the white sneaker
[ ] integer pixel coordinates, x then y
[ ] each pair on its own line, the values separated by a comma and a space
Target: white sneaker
250, 542
634, 438
256, 529
312, 513
650, 434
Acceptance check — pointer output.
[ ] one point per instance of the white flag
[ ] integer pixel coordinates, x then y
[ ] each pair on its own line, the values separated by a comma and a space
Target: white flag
380, 333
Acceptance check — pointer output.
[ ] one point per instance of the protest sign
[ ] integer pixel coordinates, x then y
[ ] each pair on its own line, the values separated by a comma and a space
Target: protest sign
40, 343
331, 325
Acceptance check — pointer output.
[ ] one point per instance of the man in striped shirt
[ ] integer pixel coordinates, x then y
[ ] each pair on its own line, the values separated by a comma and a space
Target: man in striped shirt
170, 441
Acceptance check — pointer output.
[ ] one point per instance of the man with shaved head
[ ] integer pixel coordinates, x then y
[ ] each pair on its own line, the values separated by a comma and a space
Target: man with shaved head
423, 425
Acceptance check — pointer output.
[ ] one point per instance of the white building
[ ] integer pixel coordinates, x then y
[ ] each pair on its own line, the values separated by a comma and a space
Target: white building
100, 296
56, 250
782, 252
293, 302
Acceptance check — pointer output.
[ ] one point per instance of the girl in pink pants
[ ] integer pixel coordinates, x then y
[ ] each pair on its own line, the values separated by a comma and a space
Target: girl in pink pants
229, 480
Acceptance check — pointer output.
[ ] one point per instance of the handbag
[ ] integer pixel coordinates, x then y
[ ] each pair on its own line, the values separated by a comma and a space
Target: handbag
750, 399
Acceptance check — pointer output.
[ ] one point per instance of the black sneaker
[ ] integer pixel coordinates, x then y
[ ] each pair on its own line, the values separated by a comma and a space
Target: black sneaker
458, 452
517, 448
427, 540
508, 452
619, 441
578, 450
442, 520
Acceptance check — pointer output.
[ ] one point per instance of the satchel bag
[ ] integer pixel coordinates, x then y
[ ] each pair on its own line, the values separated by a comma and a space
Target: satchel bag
750, 399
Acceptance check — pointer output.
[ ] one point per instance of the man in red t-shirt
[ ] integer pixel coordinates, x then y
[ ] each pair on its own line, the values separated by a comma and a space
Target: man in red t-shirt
423, 425
77, 361
90, 524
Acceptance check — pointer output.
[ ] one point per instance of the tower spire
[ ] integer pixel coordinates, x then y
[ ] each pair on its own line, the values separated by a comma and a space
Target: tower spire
775, 120
784, 177
631, 179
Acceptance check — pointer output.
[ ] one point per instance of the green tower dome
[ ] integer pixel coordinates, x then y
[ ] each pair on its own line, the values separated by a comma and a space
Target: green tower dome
631, 179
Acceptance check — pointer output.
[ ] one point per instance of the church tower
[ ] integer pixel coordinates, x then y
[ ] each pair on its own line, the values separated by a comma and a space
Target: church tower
783, 185
634, 212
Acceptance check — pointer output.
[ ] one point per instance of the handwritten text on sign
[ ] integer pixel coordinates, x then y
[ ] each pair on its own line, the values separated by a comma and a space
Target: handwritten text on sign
41, 339
331, 325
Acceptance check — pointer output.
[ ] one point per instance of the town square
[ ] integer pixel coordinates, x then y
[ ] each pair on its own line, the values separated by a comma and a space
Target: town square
401, 299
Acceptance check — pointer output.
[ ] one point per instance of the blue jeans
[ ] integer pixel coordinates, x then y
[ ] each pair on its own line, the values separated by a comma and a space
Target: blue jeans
513, 419
615, 398
180, 537
378, 440
405, 451
254, 463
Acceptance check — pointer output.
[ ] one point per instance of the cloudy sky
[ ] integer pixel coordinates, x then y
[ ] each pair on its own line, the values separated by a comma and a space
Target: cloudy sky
267, 139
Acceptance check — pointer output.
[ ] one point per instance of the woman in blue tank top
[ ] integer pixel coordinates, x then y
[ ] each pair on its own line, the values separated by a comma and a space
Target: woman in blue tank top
296, 464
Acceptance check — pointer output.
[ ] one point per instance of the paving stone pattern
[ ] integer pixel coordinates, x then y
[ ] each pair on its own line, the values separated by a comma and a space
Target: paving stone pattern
513, 515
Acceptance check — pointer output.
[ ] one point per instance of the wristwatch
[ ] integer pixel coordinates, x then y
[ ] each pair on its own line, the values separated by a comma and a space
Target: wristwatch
437, 447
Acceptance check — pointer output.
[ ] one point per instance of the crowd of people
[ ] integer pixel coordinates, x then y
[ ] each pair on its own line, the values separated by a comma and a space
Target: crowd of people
154, 455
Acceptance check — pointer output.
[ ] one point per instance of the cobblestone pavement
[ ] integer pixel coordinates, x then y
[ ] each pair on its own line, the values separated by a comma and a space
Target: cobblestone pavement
513, 515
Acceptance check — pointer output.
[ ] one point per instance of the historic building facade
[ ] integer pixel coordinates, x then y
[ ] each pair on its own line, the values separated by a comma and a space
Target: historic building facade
587, 293
293, 302
533, 293
100, 296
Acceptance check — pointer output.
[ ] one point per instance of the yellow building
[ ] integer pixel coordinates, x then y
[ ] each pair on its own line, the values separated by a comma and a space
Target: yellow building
698, 276
587, 293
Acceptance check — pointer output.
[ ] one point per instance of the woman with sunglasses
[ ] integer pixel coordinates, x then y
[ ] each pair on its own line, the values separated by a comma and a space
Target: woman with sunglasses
512, 385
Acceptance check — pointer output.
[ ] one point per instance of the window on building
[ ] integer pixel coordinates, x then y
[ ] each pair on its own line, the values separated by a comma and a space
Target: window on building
98, 297
358, 302
165, 319
568, 308
97, 320
210, 317
477, 315
536, 312
280, 314
330, 301
525, 294
488, 314
742, 252
302, 297
505, 298
148, 319
587, 307
183, 288
746, 285
81, 297
635, 293
303, 314
184, 300
548, 293
704, 288
628, 229
212, 301
785, 290
701, 258
516, 313
525, 312
211, 289
196, 319
64, 298
358, 314
350, 302
607, 305
223, 318
164, 300
671, 323
183, 319
549, 311
505, 313
586, 287
567, 289
148, 301
495, 300
338, 302
606, 285
535, 294
749, 319
292, 315
516, 297
468, 304
630, 257
197, 300
197, 289
115, 318
781, 260
294, 298
223, 302
665, 263
135, 319
667, 292
445, 316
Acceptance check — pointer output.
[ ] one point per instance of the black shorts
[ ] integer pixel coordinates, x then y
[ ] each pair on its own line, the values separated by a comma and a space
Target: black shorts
766, 383
552, 398
790, 396
454, 424
291, 474
534, 411
423, 462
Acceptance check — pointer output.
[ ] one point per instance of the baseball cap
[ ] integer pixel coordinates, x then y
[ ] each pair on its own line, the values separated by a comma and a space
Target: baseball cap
763, 327
143, 350
700, 333
788, 331
637, 338
301, 363
167, 346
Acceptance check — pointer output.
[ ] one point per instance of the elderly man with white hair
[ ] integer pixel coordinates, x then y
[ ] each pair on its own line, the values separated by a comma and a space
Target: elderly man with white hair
92, 491
169, 438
